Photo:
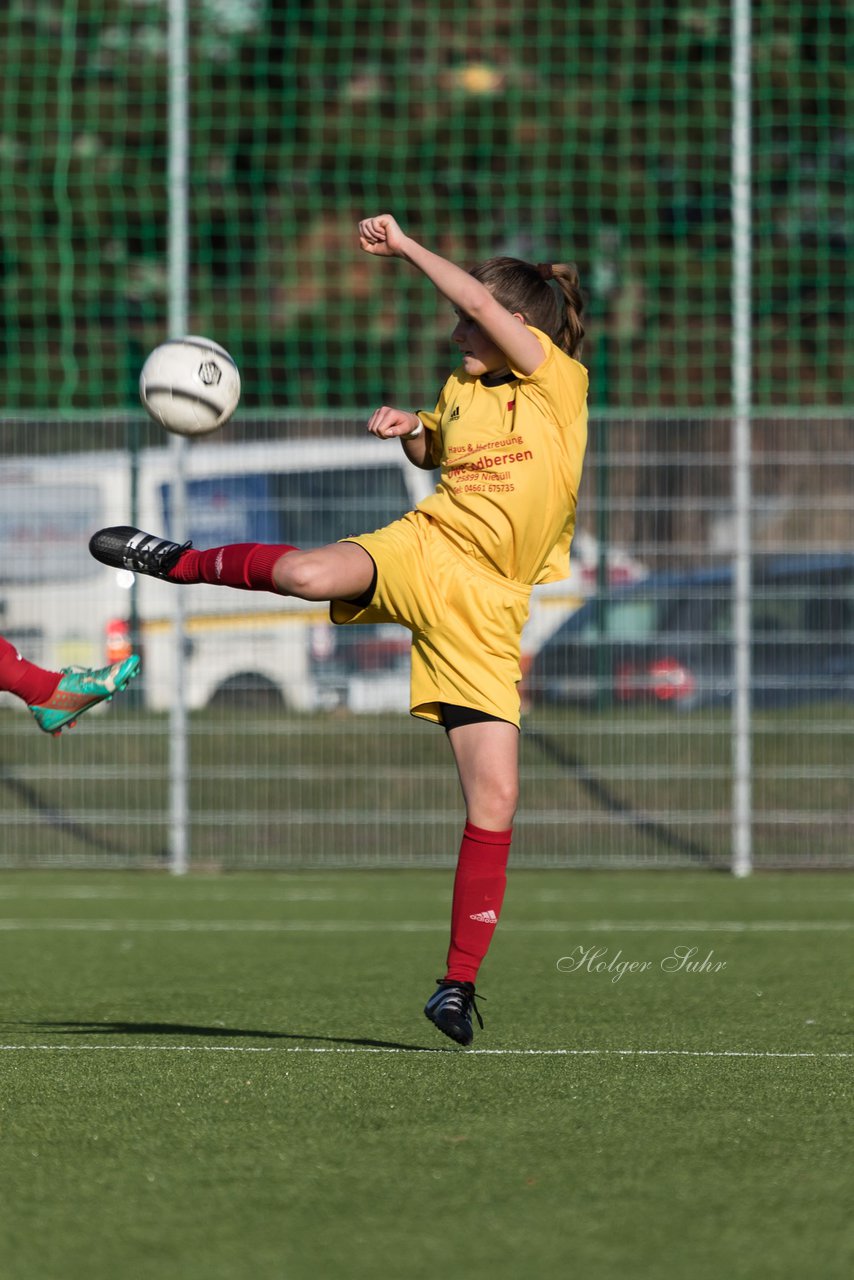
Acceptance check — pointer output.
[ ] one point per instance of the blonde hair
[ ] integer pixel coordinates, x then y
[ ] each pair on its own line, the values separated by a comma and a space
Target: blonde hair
524, 287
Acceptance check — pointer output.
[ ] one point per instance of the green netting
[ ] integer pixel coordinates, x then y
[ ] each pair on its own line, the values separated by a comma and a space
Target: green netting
599, 132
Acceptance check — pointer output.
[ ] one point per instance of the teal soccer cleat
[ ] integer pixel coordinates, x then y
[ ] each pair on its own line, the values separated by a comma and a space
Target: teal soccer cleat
81, 689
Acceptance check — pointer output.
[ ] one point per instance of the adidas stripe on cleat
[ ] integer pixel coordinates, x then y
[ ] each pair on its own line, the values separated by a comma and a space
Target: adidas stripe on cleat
80, 690
450, 1009
124, 547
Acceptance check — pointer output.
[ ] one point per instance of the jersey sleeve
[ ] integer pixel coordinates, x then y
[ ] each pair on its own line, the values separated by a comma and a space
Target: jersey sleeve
560, 382
433, 423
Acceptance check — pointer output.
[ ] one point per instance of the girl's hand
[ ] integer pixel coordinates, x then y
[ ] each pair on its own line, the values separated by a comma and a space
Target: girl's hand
381, 236
388, 423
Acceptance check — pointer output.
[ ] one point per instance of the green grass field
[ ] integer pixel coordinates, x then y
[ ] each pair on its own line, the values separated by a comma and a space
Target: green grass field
230, 1076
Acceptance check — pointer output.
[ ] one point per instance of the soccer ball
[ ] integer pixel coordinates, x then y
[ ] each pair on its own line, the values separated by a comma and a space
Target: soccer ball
190, 385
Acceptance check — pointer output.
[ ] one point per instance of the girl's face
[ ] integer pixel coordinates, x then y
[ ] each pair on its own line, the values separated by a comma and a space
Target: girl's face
480, 354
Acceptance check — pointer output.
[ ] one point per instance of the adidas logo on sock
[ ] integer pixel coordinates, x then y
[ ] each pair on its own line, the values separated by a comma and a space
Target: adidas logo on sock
485, 917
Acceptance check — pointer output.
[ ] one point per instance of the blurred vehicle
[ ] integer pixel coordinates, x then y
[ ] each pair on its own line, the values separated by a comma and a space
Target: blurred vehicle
362, 668
668, 640
553, 602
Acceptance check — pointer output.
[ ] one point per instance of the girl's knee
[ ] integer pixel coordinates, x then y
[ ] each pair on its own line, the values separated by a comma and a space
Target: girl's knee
498, 802
505, 789
336, 572
295, 574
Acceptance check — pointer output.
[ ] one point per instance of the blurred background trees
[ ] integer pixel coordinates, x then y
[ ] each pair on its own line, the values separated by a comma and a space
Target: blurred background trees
600, 135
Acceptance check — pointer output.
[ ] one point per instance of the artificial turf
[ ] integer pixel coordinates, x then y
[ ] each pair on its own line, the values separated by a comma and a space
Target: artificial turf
230, 1076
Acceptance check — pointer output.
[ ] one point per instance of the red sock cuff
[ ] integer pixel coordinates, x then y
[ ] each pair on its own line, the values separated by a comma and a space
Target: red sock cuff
488, 837
260, 564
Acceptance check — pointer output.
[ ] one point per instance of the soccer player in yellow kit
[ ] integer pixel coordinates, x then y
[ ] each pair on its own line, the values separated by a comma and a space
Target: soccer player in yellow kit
509, 432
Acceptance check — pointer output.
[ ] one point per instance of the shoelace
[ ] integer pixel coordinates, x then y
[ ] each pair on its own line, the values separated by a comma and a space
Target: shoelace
462, 999
158, 553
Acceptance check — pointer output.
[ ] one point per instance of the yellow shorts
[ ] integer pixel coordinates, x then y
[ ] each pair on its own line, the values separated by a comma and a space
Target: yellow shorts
466, 621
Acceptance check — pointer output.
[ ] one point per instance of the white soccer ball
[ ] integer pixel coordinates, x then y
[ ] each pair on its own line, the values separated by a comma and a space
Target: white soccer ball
191, 385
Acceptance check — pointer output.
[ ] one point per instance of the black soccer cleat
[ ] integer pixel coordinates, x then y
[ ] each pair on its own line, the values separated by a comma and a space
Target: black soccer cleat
124, 547
450, 1009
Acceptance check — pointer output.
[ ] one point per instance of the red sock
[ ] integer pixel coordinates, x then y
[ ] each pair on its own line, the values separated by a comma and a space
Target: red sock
25, 679
478, 894
246, 565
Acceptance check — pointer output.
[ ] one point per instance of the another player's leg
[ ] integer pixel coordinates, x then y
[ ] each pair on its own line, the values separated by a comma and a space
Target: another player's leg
486, 753
58, 698
340, 571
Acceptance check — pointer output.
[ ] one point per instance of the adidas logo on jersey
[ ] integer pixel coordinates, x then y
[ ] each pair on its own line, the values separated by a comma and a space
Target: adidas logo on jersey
485, 917
455, 414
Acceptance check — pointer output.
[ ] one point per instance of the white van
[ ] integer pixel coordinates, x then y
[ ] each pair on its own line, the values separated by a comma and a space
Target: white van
63, 608
59, 605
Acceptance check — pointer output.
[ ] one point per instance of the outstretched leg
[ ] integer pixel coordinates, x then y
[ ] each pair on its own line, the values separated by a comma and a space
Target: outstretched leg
339, 571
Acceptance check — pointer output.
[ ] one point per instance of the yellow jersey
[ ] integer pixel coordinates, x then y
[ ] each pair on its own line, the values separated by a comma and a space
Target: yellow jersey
511, 452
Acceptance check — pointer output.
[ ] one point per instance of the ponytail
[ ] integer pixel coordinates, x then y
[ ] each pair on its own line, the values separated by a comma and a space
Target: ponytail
571, 337
525, 288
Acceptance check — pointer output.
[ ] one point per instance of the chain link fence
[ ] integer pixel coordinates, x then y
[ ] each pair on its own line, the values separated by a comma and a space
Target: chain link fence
301, 750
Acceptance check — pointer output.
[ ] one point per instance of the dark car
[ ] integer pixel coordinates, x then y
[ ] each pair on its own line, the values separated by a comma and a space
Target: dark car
668, 640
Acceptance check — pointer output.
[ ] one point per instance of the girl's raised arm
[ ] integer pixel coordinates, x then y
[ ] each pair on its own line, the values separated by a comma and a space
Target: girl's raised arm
382, 237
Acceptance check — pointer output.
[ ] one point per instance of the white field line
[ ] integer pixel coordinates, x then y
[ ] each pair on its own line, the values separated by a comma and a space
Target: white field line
310, 893
528, 1053
12, 925
315, 888
95, 894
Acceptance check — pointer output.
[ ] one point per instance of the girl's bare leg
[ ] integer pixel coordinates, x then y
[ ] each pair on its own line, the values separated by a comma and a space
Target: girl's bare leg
487, 761
487, 757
